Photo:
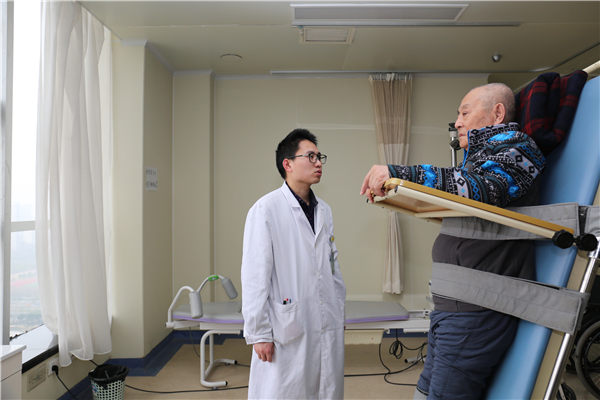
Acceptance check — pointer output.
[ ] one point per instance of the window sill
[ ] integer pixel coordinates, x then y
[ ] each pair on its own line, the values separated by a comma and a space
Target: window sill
41, 344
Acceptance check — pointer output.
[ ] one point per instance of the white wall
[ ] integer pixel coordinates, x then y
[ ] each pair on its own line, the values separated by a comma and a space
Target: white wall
157, 205
192, 179
221, 150
219, 173
252, 114
142, 278
127, 286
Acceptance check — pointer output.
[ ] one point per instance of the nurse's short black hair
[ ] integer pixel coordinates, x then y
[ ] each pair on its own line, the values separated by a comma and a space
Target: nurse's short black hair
287, 147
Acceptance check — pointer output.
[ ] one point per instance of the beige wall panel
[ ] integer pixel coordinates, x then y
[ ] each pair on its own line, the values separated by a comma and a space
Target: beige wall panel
253, 115
157, 274
127, 322
435, 101
192, 179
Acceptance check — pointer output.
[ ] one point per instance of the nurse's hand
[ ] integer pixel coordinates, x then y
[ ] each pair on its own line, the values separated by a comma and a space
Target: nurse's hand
264, 351
373, 182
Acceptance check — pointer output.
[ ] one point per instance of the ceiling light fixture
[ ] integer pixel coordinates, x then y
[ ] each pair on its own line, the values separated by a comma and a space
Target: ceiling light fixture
374, 14
384, 14
231, 58
326, 35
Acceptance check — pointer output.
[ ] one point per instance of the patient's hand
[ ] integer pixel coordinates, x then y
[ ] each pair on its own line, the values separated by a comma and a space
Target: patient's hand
373, 182
264, 351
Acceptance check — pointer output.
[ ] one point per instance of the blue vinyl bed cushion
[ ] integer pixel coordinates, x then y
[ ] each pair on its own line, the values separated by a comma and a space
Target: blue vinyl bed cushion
572, 175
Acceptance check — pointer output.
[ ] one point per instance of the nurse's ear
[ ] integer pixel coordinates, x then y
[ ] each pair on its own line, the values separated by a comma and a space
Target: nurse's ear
287, 165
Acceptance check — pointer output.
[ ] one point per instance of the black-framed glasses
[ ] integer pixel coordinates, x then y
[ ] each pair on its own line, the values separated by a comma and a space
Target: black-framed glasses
312, 157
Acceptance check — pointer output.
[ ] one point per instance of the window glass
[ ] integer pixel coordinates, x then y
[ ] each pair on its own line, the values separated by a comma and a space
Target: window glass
25, 93
25, 311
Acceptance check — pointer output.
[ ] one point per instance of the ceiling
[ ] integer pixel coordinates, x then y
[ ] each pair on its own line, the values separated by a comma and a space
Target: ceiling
530, 36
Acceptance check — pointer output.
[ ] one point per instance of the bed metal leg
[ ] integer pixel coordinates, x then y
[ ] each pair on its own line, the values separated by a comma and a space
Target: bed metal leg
204, 372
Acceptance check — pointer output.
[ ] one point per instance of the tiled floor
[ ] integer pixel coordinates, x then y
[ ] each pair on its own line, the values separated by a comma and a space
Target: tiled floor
181, 373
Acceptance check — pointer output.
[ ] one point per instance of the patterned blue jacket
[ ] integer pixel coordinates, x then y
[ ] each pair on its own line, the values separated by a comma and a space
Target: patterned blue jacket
499, 167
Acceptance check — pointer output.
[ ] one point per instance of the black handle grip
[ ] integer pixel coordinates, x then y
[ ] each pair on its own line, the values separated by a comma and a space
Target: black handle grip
587, 242
563, 239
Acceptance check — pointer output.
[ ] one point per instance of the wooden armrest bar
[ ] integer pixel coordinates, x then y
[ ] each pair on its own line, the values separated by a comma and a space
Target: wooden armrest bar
418, 199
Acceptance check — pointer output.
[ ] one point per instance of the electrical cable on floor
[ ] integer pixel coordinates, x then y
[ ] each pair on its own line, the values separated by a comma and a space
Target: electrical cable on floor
396, 349
175, 391
187, 391
393, 350
55, 370
417, 360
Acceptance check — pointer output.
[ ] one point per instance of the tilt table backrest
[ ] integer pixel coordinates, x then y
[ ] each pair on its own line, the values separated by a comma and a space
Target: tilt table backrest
572, 175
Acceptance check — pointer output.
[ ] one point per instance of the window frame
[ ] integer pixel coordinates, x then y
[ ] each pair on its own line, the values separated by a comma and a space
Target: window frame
6, 80
41, 342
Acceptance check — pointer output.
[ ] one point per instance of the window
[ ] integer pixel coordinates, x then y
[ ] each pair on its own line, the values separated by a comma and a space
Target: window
25, 311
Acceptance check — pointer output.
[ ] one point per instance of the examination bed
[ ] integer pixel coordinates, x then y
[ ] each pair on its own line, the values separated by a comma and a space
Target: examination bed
226, 318
537, 358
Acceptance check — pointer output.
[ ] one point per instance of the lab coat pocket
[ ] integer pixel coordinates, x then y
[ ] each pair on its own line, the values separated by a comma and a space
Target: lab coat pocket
286, 324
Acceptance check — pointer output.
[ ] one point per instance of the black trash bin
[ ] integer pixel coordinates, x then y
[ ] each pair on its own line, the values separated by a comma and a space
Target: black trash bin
108, 381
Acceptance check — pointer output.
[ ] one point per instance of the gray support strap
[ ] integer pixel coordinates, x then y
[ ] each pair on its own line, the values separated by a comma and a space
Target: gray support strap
592, 220
564, 214
556, 308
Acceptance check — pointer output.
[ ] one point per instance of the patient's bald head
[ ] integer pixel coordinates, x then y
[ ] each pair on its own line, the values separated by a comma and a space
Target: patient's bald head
499, 93
483, 106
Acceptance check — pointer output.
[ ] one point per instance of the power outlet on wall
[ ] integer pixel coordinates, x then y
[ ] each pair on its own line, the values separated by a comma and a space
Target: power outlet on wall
36, 376
50, 363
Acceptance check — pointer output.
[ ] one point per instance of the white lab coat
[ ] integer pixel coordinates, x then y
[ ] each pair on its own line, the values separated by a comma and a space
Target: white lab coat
284, 259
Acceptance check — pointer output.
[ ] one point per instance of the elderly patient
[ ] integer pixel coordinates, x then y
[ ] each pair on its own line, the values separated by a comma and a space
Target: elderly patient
467, 342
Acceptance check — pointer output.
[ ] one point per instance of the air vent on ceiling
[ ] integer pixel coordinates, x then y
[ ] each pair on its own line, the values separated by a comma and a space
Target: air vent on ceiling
335, 35
345, 14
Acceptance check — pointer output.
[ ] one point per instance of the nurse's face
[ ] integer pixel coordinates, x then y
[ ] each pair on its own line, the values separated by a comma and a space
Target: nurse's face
302, 170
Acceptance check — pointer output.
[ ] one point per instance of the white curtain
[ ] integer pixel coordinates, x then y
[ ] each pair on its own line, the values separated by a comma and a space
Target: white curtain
391, 94
70, 181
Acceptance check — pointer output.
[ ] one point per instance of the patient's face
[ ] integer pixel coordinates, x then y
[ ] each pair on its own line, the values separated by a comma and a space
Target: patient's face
473, 113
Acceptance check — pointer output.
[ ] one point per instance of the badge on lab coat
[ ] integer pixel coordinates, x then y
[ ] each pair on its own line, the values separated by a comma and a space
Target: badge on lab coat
331, 256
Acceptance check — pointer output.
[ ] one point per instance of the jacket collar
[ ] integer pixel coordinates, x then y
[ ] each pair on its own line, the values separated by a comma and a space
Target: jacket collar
292, 202
479, 137
289, 196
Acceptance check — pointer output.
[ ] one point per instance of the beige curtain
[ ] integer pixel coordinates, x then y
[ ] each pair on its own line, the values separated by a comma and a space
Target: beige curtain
391, 101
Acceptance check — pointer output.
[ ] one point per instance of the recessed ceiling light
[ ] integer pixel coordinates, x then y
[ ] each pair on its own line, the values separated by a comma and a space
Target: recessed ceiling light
384, 14
231, 58
372, 14
329, 35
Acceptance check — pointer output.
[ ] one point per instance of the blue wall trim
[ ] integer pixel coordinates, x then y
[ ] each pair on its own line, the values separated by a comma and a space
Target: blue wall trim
152, 363
165, 350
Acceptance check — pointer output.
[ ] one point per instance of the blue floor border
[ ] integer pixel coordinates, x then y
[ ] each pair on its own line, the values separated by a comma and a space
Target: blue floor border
149, 365
153, 362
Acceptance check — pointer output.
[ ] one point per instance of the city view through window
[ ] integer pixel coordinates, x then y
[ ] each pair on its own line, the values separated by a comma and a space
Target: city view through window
25, 310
